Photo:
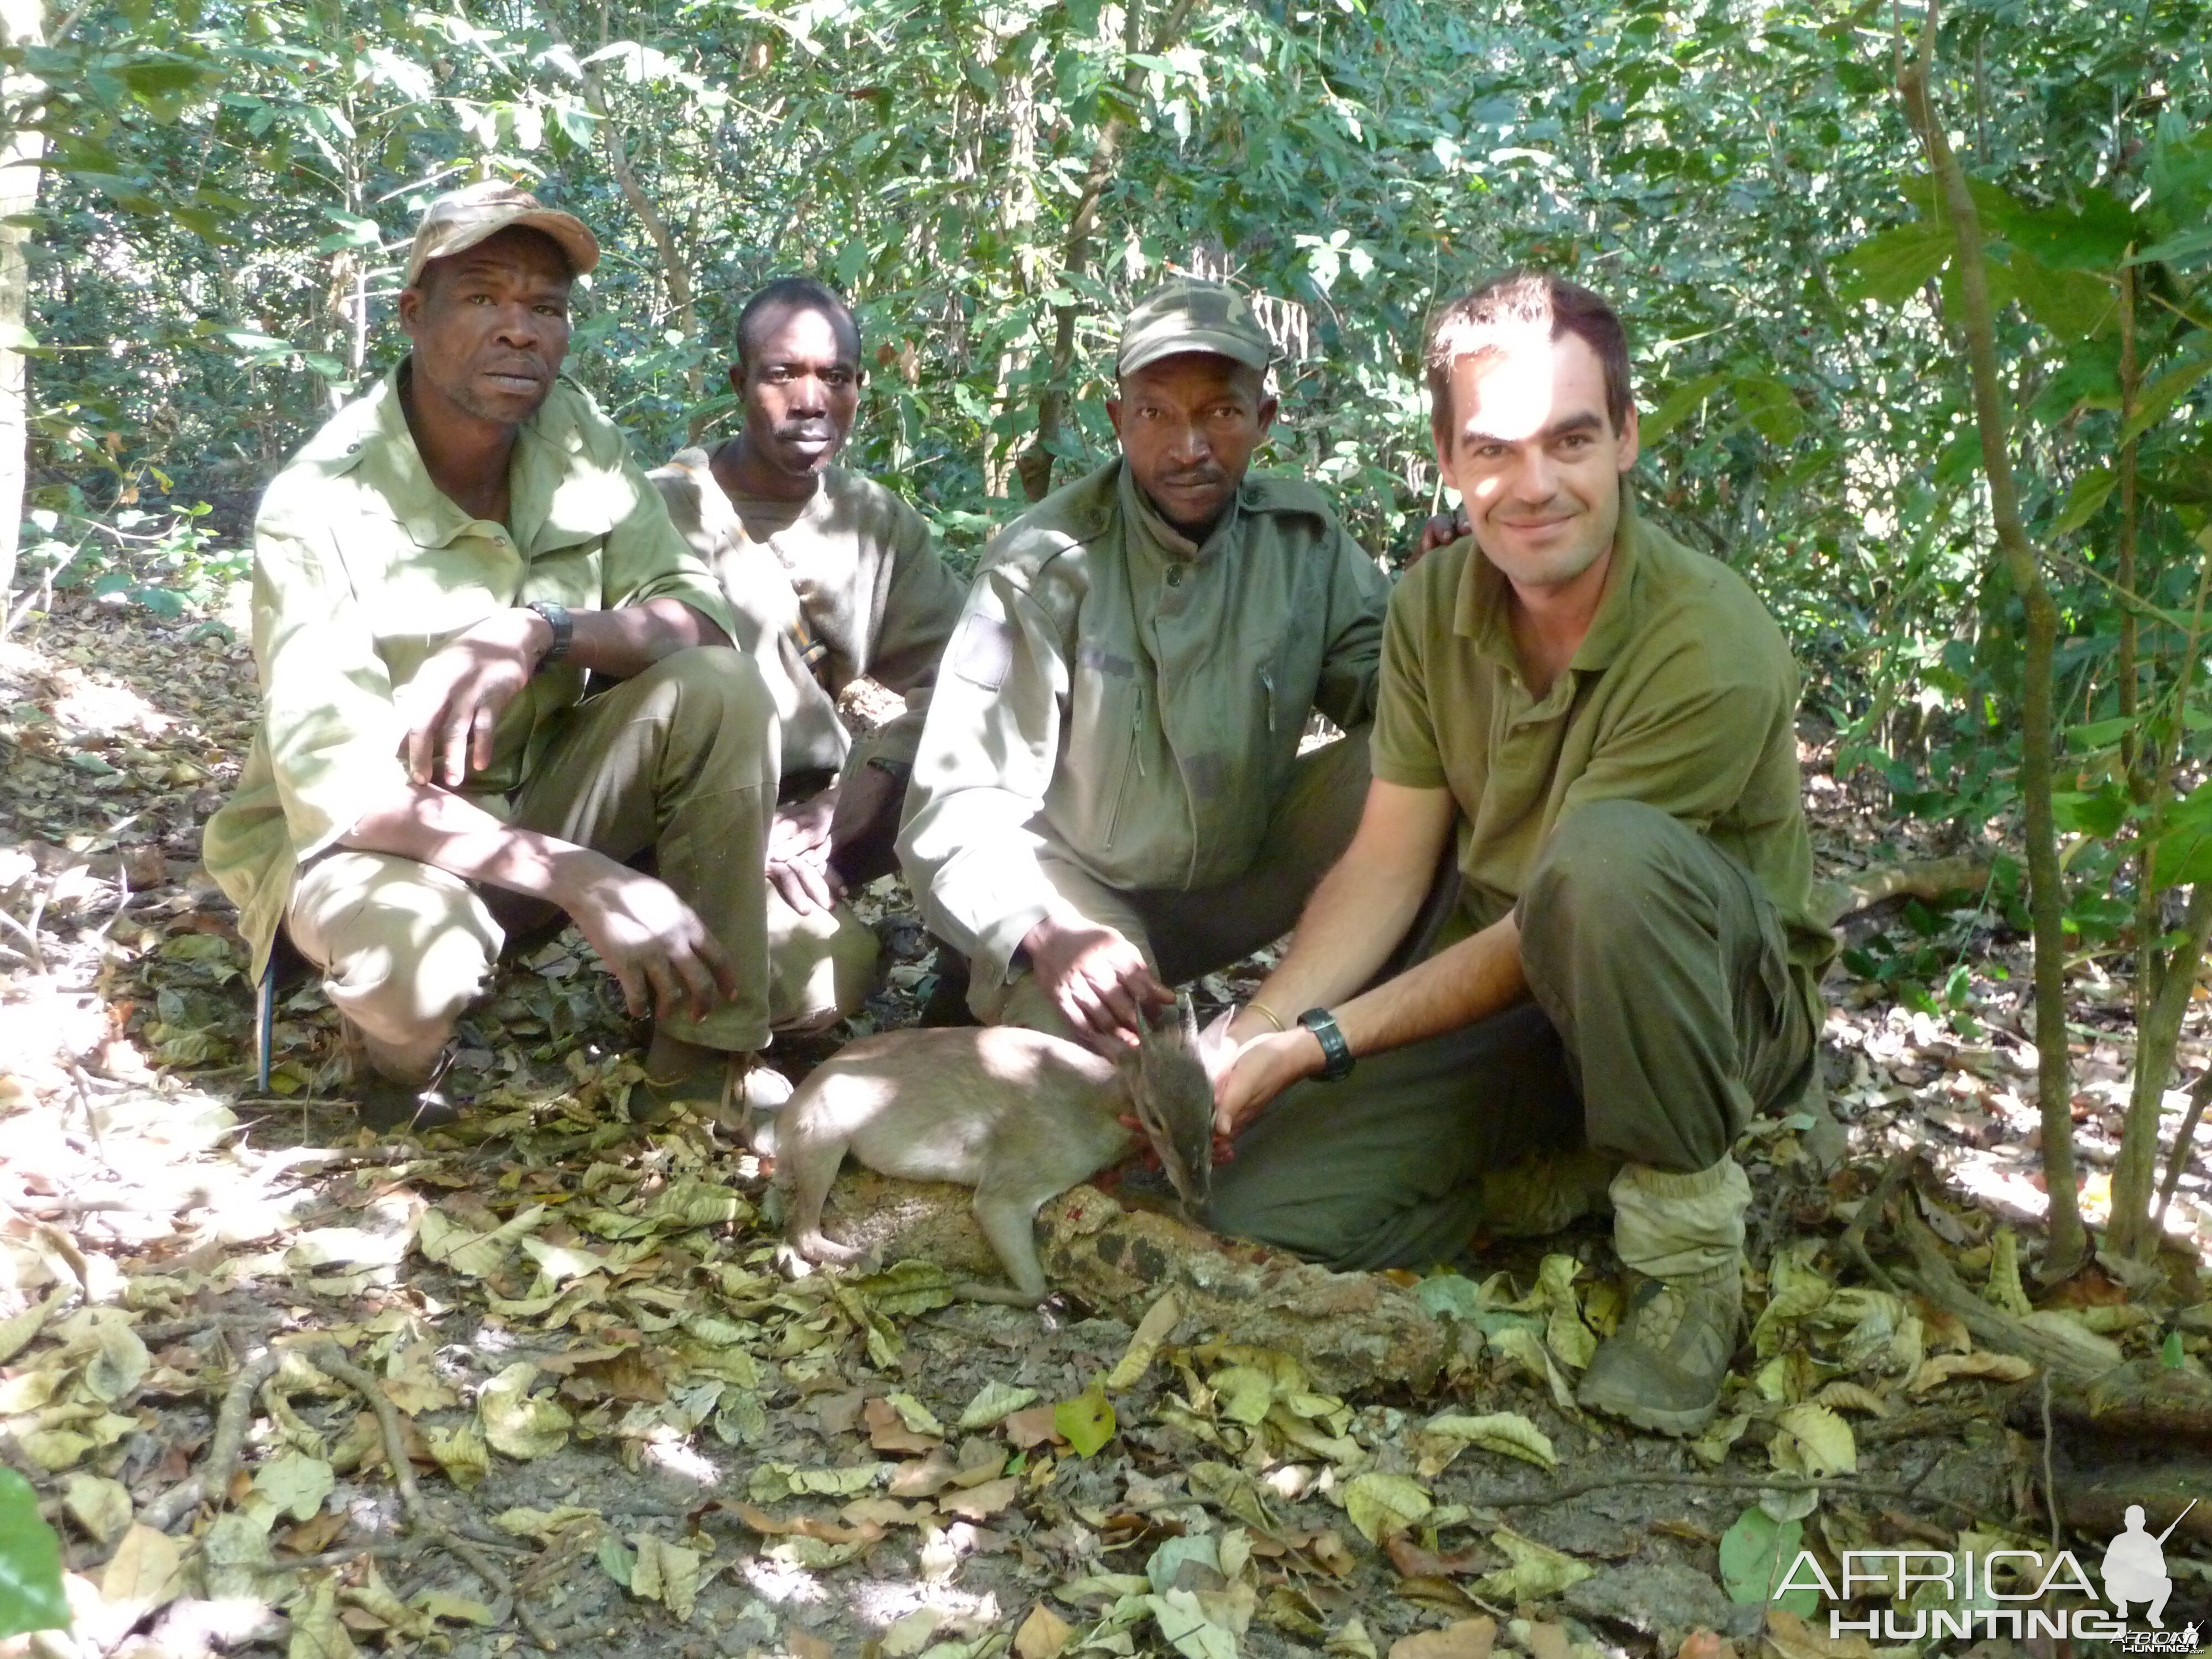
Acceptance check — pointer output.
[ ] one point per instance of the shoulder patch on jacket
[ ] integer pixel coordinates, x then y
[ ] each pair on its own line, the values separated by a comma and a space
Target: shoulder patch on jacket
984, 651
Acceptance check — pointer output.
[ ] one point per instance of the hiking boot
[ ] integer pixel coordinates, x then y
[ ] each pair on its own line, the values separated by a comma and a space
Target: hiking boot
1663, 1368
386, 1105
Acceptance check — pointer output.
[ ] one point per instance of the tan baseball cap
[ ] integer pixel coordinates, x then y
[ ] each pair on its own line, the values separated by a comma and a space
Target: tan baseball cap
1189, 313
461, 218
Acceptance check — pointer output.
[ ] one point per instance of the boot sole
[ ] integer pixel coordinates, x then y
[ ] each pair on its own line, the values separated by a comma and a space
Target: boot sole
1680, 1423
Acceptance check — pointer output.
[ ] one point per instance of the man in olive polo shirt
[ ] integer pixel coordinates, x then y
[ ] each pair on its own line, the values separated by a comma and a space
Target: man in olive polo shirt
435, 574
1108, 794
1604, 720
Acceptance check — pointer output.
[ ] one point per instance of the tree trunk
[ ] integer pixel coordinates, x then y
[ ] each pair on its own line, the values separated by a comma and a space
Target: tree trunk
1036, 464
22, 22
674, 272
2067, 1243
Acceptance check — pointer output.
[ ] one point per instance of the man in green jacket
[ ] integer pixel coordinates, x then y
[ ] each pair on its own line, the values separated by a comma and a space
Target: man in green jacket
1603, 720
831, 577
1108, 796
435, 574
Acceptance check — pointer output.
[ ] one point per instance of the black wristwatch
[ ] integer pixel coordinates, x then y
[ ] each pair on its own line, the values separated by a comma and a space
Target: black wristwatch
1335, 1052
563, 626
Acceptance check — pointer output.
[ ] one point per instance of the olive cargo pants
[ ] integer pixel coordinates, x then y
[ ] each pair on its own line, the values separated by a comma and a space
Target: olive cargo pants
1664, 1011
1184, 934
680, 760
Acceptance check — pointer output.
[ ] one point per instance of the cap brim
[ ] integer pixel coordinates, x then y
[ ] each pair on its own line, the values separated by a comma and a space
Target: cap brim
1234, 347
576, 243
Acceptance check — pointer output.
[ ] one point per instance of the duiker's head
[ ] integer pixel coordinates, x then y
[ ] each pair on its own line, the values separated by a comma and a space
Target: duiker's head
1173, 1095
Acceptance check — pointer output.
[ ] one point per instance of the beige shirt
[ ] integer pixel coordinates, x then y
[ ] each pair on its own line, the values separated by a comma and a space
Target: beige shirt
1133, 699
362, 569
1682, 696
844, 585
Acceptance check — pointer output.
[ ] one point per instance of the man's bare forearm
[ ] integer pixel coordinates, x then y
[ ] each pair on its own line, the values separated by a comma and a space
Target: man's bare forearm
1472, 981
1363, 906
436, 826
631, 638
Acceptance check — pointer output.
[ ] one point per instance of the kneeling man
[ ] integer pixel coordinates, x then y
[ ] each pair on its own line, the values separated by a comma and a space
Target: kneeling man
435, 574
1109, 792
1603, 719
830, 576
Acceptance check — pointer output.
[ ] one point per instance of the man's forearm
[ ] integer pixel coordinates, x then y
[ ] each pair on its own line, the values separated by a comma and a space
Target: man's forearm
436, 826
1348, 929
1472, 981
629, 639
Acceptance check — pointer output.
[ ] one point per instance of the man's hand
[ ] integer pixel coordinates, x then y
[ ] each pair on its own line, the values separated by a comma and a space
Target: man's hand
799, 853
1264, 1067
1440, 530
452, 705
655, 945
1095, 976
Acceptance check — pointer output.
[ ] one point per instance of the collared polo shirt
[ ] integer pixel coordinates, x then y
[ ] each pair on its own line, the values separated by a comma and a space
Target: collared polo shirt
363, 568
1682, 696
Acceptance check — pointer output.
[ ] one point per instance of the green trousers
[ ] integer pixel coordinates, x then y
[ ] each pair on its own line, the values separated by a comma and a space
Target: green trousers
680, 761
1663, 1012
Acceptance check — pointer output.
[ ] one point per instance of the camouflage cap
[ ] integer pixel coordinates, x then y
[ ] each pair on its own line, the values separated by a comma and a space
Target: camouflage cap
1188, 313
461, 218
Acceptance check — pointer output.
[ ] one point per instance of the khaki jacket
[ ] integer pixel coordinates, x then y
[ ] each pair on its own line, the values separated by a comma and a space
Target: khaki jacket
1133, 699
362, 569
844, 586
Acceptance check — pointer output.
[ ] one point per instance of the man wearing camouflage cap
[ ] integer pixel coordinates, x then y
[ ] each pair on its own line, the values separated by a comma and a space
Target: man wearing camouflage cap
435, 574
1108, 796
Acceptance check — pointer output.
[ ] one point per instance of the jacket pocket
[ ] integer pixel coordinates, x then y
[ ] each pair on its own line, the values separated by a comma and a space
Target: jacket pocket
1132, 763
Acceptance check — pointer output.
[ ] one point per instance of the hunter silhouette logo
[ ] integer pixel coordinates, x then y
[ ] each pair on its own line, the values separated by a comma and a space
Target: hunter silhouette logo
2135, 1567
2017, 1594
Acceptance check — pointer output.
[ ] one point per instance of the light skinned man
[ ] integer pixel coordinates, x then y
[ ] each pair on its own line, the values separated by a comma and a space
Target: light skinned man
831, 577
1603, 720
435, 572
1109, 797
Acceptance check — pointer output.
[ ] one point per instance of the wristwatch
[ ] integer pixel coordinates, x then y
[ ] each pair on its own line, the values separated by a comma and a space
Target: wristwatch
1335, 1052
563, 626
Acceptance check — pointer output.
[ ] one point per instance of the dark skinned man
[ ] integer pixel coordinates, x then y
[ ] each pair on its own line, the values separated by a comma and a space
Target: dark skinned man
1601, 721
435, 574
831, 577
1108, 796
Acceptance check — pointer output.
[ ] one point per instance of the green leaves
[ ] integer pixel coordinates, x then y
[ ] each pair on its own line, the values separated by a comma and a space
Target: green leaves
1891, 265
1755, 1556
30, 1562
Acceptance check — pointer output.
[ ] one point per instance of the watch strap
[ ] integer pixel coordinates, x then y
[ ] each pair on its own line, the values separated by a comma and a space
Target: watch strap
1335, 1052
563, 626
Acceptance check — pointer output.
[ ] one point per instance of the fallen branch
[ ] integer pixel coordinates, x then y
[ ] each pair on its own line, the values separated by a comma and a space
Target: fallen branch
1712, 1483
212, 1479
330, 1358
1928, 880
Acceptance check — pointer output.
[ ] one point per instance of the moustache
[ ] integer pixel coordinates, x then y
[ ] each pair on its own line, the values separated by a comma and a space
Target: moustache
806, 434
1207, 475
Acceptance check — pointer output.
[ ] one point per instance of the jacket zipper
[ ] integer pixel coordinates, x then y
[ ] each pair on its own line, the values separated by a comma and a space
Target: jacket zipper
1267, 680
1135, 761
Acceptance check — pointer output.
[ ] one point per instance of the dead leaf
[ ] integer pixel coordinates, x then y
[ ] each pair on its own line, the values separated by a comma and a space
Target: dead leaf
1043, 1634
1940, 1369
981, 1502
1538, 1572
1380, 1503
804, 1645
518, 1424
317, 1631
925, 1478
1412, 1561
102, 1507
1548, 1642
1705, 1644
1470, 1638
1153, 1330
145, 1574
1031, 1426
888, 1431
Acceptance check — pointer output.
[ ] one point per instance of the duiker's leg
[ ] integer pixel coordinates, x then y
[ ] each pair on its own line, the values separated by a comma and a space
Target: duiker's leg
806, 1166
1007, 1215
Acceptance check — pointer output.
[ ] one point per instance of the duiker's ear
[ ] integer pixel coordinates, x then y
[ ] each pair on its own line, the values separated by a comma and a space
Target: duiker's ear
1212, 1045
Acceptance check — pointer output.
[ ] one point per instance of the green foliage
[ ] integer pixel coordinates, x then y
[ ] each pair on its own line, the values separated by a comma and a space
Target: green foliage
30, 1562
